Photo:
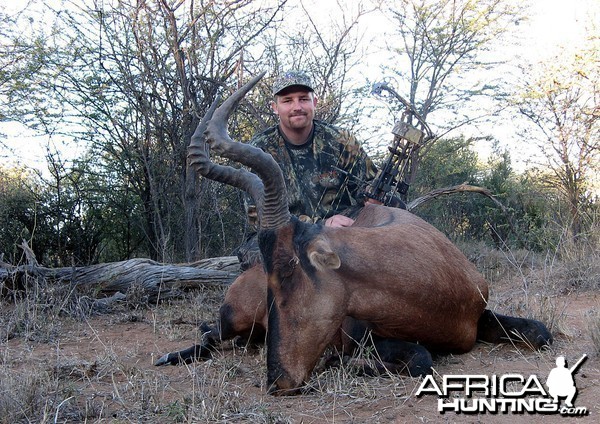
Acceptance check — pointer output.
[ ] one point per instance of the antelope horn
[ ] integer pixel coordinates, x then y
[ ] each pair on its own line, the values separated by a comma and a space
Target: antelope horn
198, 136
273, 202
199, 161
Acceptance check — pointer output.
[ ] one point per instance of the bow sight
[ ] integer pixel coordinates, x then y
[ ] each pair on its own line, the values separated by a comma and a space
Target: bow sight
390, 186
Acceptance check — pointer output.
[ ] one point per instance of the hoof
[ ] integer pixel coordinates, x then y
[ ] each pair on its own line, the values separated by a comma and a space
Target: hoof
168, 359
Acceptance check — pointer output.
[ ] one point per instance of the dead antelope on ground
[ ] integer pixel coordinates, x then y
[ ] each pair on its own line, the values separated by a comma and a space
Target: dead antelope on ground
391, 275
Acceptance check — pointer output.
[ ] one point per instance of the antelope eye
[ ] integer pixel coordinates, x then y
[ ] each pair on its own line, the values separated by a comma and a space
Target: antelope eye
286, 268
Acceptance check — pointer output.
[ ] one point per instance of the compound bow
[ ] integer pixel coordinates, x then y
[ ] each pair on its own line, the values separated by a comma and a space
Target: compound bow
391, 179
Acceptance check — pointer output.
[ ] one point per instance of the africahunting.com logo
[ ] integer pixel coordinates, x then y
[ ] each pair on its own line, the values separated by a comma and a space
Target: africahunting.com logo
508, 393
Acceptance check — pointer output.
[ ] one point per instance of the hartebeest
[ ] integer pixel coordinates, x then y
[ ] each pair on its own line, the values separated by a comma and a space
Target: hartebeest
391, 271
244, 314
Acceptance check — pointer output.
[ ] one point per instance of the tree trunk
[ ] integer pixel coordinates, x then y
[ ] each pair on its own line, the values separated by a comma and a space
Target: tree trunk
154, 278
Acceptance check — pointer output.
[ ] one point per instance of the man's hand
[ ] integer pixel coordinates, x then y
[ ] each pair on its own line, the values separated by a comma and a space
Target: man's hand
339, 221
344, 221
372, 201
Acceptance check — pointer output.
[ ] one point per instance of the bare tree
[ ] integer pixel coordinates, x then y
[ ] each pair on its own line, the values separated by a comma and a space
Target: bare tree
328, 46
131, 79
439, 42
563, 103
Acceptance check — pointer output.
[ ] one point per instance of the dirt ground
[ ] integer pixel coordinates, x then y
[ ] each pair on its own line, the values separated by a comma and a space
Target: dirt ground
103, 369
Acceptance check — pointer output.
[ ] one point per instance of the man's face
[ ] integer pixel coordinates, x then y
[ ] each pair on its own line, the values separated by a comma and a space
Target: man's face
296, 108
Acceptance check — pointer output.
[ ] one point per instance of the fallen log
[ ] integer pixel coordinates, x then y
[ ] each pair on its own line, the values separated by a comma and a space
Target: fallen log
153, 278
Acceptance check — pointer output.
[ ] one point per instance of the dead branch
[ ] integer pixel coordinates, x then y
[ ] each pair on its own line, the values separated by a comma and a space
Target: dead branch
29, 255
461, 188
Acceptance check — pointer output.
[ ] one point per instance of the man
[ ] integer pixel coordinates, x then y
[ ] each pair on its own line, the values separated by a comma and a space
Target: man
325, 168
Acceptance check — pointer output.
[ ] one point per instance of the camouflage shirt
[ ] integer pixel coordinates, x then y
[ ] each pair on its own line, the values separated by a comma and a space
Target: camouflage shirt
323, 177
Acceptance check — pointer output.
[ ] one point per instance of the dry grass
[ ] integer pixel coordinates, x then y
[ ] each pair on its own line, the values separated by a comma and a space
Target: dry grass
594, 328
534, 285
103, 375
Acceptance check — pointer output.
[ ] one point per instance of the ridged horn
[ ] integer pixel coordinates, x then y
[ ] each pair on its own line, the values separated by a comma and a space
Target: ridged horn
266, 186
199, 160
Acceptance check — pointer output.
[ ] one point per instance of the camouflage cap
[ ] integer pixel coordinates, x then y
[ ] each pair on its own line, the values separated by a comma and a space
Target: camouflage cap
291, 78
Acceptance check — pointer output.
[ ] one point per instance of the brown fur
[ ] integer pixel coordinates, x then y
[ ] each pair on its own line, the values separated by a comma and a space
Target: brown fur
244, 311
391, 269
391, 273
246, 304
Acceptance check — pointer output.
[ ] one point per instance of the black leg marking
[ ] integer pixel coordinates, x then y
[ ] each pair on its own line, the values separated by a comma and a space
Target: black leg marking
496, 328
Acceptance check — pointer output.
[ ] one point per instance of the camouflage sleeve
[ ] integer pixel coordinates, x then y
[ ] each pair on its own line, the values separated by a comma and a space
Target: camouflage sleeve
251, 212
357, 163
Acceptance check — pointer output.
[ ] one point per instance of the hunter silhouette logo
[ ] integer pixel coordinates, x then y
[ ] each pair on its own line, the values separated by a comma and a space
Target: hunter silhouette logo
561, 382
508, 393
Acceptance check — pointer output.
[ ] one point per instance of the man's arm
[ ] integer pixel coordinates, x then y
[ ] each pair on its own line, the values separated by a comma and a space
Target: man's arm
361, 171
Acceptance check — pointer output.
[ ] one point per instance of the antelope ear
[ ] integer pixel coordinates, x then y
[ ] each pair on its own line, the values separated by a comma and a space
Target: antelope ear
322, 257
